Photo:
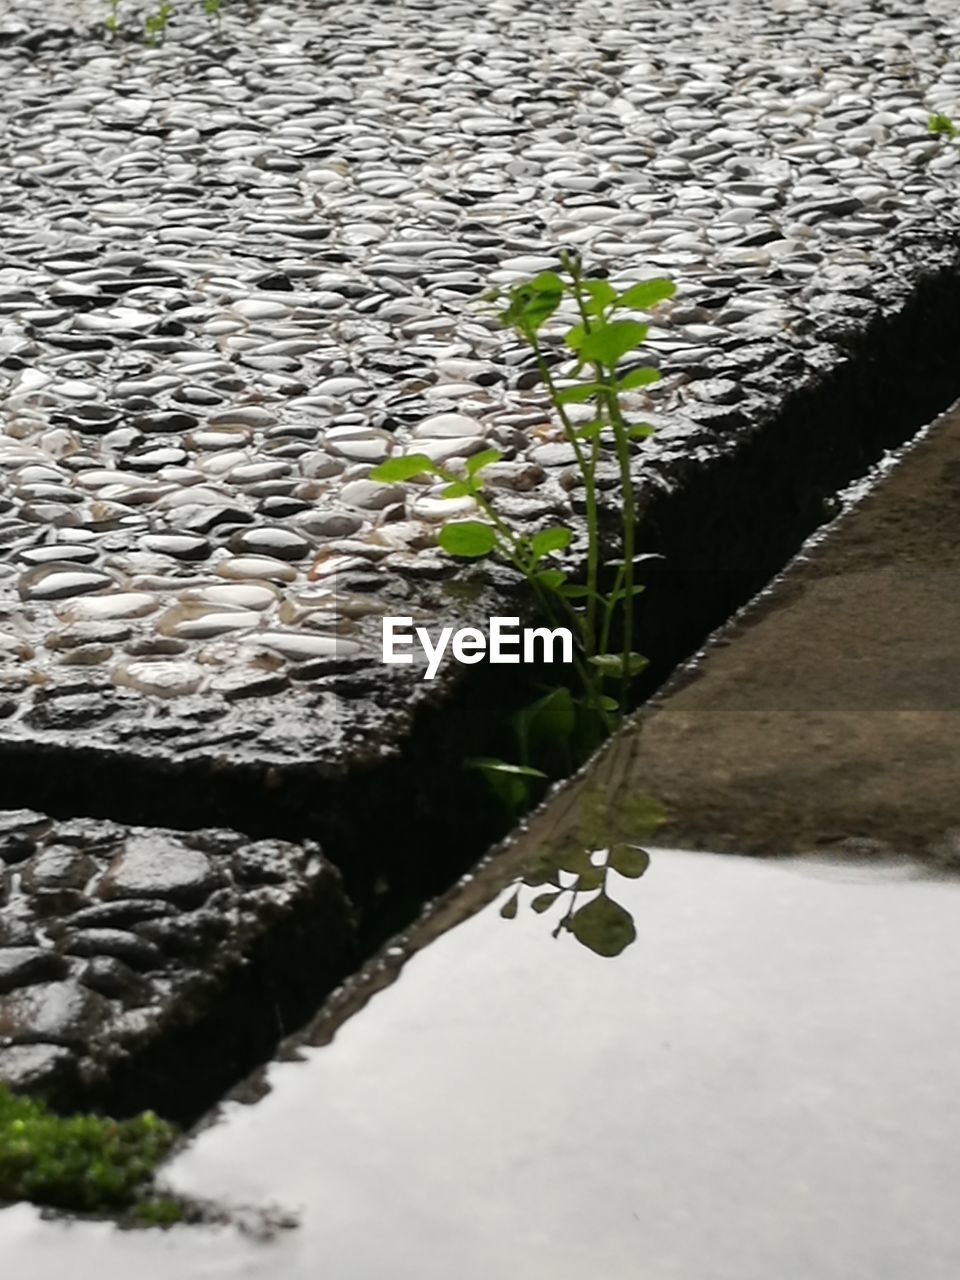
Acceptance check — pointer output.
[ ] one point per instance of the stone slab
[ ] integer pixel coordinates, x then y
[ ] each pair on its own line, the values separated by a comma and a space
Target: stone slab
237, 272
156, 964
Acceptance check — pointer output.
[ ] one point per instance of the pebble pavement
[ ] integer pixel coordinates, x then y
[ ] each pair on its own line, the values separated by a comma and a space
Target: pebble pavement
238, 272
116, 942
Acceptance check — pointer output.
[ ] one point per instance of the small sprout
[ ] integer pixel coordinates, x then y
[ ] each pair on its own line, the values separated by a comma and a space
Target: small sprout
156, 23
943, 126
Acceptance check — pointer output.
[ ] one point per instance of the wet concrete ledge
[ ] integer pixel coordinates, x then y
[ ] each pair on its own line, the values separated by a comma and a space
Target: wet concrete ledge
825, 718
151, 968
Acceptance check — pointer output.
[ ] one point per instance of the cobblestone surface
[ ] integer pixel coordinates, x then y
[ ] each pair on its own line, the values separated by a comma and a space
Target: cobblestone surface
237, 273
114, 939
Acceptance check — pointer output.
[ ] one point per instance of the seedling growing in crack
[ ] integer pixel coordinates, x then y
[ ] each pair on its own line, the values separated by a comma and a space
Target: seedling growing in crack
942, 126
156, 23
602, 606
212, 8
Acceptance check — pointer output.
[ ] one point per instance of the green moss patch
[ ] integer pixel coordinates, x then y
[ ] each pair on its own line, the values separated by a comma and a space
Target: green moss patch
87, 1163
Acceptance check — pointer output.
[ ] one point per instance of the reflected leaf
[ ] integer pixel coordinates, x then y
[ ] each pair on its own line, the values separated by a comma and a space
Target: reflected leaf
629, 860
590, 879
640, 815
543, 873
593, 819
608, 827
575, 859
509, 908
603, 926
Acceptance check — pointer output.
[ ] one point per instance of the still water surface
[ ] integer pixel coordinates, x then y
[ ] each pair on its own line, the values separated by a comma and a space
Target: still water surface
764, 1084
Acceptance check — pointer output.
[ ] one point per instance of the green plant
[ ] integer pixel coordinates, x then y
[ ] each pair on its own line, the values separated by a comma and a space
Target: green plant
82, 1162
943, 126
601, 606
156, 23
212, 8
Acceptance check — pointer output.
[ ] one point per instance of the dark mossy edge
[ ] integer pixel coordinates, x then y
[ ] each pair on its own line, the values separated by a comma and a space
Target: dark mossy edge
84, 1162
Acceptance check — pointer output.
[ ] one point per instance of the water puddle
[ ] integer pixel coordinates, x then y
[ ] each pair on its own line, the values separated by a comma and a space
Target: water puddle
761, 1083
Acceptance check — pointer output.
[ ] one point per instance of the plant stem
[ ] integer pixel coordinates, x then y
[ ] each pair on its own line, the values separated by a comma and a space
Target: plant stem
620, 432
587, 469
514, 549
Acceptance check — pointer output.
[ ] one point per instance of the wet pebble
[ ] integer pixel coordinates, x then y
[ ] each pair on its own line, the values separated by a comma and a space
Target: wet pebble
156, 866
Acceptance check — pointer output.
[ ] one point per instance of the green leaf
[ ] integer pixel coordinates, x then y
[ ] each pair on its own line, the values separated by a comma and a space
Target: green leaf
469, 539
638, 378
489, 764
609, 343
603, 926
530, 308
544, 901
642, 431
551, 718
942, 125
547, 282
583, 391
612, 664
591, 430
481, 460
621, 593
601, 294
509, 908
638, 559
629, 860
458, 489
575, 336
552, 579
576, 591
601, 702
403, 468
549, 540
646, 294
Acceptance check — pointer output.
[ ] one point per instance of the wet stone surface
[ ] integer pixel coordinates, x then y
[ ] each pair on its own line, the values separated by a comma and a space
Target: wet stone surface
112, 938
239, 271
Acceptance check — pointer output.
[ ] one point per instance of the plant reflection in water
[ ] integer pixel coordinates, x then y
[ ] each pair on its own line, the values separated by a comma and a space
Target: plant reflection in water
600, 835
